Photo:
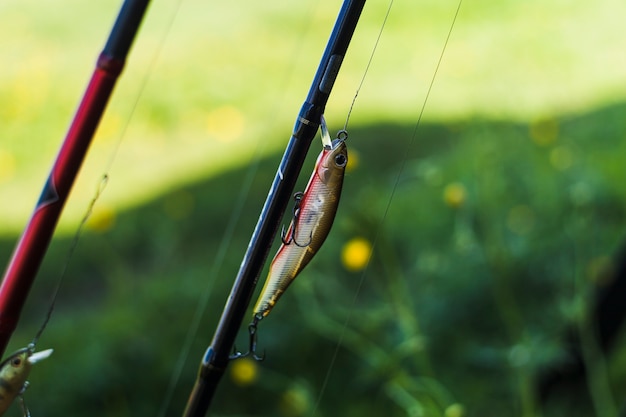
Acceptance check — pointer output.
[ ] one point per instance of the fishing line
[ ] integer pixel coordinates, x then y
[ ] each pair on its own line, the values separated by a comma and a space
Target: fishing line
102, 183
104, 179
369, 63
31, 346
70, 253
386, 211
144, 82
204, 298
225, 242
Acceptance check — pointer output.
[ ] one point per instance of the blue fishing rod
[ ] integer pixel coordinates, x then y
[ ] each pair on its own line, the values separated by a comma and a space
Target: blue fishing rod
217, 356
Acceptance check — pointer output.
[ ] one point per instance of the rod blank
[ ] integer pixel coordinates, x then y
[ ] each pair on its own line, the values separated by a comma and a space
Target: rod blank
216, 358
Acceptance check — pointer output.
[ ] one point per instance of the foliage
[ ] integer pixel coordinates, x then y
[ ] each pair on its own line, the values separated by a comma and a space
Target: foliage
468, 296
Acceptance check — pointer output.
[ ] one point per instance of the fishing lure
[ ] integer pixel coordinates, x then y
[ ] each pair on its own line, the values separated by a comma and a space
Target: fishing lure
313, 215
14, 371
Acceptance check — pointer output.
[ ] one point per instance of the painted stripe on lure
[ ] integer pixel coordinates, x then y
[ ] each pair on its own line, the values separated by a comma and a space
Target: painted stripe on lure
14, 371
313, 217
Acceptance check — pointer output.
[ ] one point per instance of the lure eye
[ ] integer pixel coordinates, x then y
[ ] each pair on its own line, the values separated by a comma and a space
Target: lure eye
16, 362
341, 160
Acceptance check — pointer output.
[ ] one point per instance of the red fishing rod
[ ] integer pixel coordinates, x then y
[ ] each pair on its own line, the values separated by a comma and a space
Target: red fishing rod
31, 248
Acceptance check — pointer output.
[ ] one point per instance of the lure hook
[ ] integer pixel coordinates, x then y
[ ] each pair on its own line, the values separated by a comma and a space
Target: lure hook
296, 211
252, 331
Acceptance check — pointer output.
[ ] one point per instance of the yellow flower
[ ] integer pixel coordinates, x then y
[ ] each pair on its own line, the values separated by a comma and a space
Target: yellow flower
454, 194
353, 160
356, 254
243, 371
102, 219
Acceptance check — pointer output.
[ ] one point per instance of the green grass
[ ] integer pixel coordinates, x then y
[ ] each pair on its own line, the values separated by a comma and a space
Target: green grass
462, 305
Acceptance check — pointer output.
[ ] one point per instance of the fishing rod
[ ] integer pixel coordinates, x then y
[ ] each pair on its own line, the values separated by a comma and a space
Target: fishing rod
31, 248
216, 358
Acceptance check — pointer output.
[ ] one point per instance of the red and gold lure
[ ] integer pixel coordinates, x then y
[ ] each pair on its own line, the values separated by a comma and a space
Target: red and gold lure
313, 217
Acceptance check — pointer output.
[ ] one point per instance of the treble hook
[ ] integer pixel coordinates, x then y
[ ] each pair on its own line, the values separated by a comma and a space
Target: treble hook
252, 331
296, 211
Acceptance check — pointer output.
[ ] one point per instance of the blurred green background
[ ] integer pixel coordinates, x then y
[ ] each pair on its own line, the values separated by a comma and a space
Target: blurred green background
492, 224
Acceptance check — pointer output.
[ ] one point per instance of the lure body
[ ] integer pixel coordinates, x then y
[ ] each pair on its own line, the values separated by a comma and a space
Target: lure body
14, 371
313, 218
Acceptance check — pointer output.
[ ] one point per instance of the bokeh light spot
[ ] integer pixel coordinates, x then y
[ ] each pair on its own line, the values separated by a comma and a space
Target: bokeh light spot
544, 132
454, 194
295, 402
356, 254
353, 160
225, 123
244, 371
454, 410
430, 173
561, 158
102, 219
